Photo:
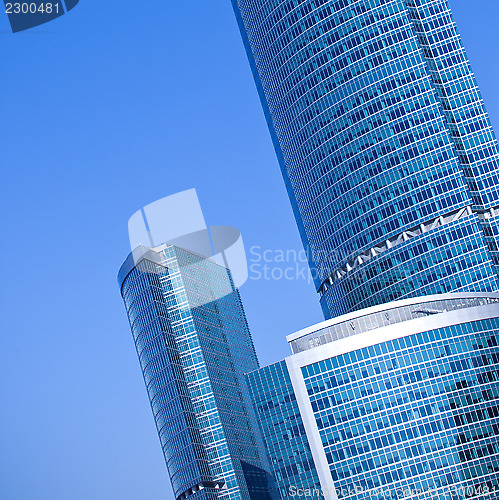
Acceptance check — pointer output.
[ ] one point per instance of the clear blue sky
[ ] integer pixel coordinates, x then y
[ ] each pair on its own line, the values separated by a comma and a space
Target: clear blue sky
105, 110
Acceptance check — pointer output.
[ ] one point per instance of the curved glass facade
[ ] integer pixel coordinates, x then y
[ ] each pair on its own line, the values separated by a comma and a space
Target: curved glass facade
193, 353
402, 405
380, 129
417, 415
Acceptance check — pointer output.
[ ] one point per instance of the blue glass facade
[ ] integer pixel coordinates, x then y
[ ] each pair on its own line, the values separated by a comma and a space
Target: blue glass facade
453, 257
382, 135
418, 414
282, 430
194, 350
397, 401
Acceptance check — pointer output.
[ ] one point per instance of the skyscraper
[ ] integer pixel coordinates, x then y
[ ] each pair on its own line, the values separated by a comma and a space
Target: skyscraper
395, 401
194, 348
282, 428
391, 167
386, 149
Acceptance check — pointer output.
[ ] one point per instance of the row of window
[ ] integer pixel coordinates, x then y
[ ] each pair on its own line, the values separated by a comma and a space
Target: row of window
419, 440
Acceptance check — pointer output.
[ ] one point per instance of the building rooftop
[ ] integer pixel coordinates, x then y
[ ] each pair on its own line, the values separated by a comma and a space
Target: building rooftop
385, 315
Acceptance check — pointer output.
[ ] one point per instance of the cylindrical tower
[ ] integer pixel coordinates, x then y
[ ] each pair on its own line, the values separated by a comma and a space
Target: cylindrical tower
402, 400
384, 144
194, 348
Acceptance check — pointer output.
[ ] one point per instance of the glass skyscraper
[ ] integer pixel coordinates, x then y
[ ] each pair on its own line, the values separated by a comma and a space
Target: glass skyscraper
391, 166
282, 428
395, 401
194, 348
384, 143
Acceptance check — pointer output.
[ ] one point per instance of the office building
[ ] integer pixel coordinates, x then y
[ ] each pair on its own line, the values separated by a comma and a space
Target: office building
194, 348
282, 426
384, 143
396, 401
391, 167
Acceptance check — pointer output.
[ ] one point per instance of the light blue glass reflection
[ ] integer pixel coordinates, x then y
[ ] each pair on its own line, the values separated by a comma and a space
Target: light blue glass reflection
282, 429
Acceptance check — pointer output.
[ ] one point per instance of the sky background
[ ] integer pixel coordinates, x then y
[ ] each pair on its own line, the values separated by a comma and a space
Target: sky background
105, 110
